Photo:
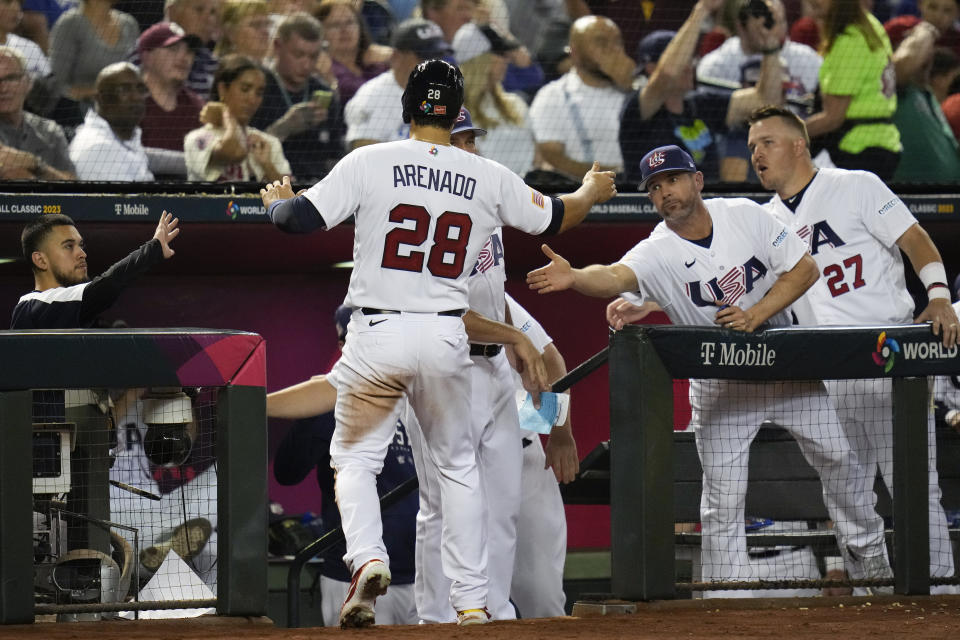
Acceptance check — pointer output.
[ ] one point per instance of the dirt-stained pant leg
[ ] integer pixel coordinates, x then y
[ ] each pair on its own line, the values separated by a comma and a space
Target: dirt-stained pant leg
440, 397
376, 366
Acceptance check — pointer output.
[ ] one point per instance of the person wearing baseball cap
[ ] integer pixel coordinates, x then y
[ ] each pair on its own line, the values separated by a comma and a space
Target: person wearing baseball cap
664, 159
372, 114
172, 111
464, 134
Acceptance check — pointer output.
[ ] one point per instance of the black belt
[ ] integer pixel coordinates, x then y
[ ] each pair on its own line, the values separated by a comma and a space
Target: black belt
485, 350
368, 311
771, 553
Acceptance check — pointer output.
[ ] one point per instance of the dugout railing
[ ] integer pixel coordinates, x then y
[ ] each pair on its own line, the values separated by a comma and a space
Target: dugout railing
644, 361
233, 362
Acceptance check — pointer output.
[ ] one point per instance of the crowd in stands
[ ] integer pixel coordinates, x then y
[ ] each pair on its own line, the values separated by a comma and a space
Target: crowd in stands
237, 90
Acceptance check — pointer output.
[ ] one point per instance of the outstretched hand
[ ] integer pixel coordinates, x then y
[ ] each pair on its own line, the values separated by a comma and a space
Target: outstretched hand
167, 230
601, 182
276, 190
556, 276
621, 312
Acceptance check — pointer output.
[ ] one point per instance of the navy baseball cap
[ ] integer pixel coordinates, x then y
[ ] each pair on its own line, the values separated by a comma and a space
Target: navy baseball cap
663, 159
341, 318
423, 37
652, 46
465, 123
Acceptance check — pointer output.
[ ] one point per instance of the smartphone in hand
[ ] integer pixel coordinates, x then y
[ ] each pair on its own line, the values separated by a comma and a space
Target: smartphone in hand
322, 98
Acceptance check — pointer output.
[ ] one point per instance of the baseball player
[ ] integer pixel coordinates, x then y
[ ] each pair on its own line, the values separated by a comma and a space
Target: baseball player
423, 211
537, 585
855, 227
500, 454
759, 268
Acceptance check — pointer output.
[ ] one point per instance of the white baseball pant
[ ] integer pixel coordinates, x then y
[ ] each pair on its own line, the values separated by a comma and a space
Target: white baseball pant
537, 587
726, 416
496, 429
865, 409
426, 358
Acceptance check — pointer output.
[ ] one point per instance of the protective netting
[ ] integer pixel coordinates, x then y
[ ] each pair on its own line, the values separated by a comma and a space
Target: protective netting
124, 498
249, 90
797, 489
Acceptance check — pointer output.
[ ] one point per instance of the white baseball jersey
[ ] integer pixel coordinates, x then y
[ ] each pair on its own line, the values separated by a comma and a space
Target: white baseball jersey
487, 278
749, 250
851, 222
375, 111
944, 390
423, 213
528, 326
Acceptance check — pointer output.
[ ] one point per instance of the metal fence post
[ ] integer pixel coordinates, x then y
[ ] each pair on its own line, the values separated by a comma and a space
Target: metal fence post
242, 501
641, 469
16, 498
911, 515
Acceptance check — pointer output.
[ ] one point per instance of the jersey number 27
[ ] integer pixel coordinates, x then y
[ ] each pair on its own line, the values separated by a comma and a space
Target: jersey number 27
450, 223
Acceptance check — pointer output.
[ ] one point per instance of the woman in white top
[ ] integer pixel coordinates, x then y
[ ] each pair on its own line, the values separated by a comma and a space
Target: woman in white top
225, 149
482, 53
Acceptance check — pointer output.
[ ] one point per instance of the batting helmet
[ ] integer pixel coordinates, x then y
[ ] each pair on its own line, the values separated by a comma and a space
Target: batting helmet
434, 94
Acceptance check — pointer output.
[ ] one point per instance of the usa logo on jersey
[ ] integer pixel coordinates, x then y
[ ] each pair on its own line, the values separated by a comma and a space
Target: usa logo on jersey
821, 233
490, 255
730, 288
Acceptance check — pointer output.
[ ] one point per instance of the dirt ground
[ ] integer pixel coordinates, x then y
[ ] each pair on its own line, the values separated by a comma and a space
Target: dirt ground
909, 617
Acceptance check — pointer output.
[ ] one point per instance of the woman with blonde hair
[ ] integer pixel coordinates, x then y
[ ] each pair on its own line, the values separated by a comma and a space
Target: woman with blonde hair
858, 90
482, 52
245, 29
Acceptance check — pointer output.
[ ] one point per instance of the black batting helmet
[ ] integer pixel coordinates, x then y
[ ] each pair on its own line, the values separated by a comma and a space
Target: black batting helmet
434, 94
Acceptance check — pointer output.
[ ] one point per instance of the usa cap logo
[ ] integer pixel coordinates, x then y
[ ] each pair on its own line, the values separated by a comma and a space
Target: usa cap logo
657, 159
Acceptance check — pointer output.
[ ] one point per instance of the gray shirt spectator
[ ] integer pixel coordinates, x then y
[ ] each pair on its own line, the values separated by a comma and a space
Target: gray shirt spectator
31, 147
78, 52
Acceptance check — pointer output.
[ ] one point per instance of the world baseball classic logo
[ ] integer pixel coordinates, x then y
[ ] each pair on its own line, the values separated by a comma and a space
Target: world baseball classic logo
885, 355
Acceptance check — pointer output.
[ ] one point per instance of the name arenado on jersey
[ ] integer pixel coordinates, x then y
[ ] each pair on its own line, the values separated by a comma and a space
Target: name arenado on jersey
417, 175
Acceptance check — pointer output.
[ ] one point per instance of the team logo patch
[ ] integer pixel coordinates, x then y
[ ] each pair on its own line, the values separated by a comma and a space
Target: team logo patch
537, 197
886, 354
440, 110
433, 151
426, 107
461, 116
657, 159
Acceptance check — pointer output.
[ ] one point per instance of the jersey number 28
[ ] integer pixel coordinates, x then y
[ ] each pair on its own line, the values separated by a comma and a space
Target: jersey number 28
449, 239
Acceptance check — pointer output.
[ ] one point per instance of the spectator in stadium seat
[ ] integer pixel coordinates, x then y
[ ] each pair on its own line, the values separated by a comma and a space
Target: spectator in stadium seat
38, 66
951, 110
225, 148
245, 29
481, 54
373, 115
107, 145
576, 118
172, 110
858, 91
737, 63
84, 41
449, 15
199, 18
668, 110
635, 22
298, 108
38, 18
942, 14
930, 151
355, 58
31, 147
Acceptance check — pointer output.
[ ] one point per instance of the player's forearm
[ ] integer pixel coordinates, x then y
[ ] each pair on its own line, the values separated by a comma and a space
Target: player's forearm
784, 292
919, 247
577, 205
304, 400
556, 369
603, 281
295, 215
482, 329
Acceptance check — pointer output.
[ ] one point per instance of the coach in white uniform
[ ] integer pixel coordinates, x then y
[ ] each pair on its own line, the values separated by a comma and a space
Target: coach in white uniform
732, 252
856, 227
423, 211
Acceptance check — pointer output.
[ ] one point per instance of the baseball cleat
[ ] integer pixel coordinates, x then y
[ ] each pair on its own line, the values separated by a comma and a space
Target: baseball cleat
473, 616
370, 580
